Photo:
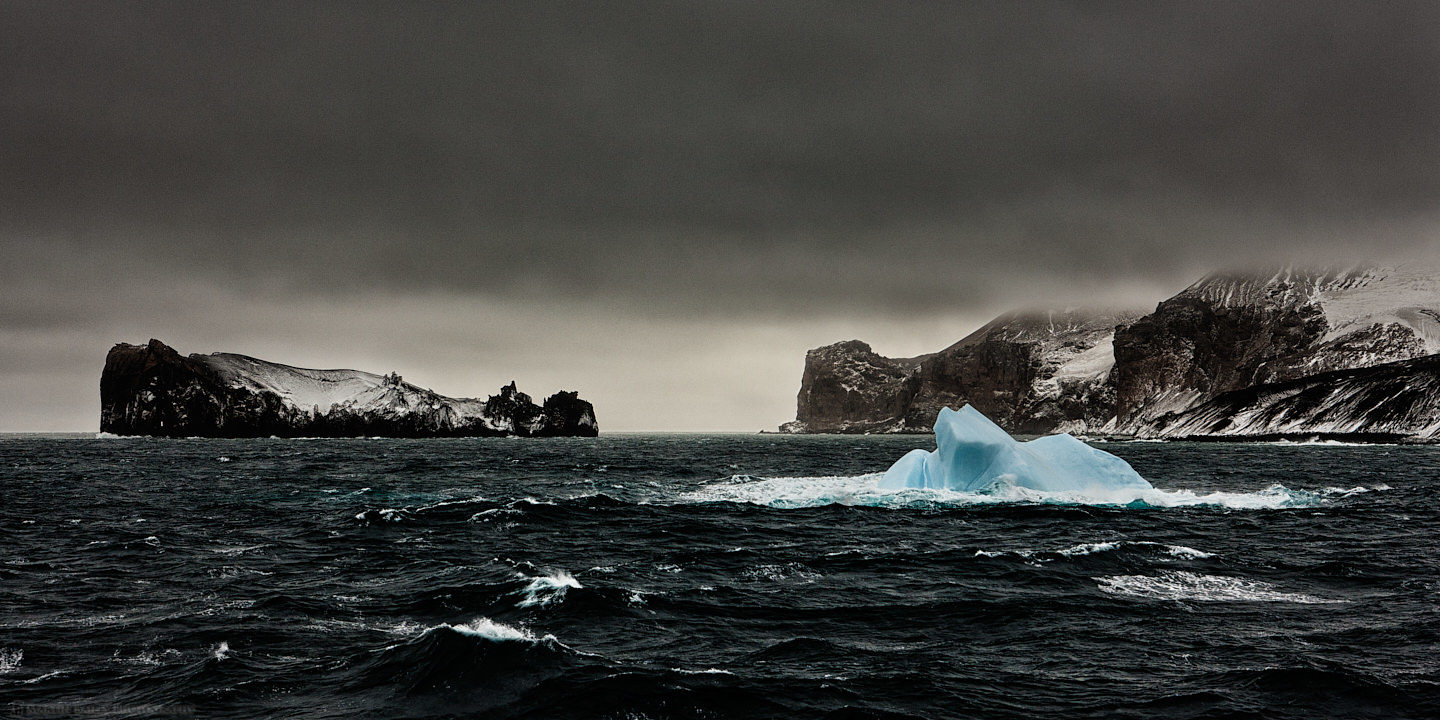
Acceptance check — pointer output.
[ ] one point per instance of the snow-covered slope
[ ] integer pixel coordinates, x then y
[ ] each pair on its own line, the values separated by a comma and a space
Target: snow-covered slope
1406, 296
321, 392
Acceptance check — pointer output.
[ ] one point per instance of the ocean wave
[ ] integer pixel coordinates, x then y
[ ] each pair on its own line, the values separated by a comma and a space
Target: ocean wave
546, 590
1180, 585
706, 671
489, 661
236, 549
384, 515
1182, 551
42, 678
1317, 440
790, 493
490, 630
1089, 548
1094, 548
787, 573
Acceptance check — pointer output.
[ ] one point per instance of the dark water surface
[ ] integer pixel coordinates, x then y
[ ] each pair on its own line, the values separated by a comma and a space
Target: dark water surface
705, 577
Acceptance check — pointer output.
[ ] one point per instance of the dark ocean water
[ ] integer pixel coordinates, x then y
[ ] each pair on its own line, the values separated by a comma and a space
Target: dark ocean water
706, 577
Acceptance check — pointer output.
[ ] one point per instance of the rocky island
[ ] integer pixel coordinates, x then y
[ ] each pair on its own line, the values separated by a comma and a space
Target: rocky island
1287, 355
153, 390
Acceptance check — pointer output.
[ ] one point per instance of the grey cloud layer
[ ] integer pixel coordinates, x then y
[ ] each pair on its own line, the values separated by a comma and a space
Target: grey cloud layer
870, 155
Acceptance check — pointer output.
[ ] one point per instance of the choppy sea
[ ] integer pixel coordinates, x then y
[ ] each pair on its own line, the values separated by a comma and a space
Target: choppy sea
707, 576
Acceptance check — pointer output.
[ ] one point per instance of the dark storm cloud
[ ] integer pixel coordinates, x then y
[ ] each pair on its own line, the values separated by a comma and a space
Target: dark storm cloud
727, 157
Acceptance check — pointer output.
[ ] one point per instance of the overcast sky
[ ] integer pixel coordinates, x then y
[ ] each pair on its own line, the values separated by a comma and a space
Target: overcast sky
663, 205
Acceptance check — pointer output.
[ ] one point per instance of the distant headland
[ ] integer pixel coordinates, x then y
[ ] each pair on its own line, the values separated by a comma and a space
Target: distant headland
153, 390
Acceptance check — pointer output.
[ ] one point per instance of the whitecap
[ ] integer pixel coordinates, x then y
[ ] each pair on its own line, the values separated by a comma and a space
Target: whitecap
1089, 548
1182, 551
445, 503
484, 515
10, 660
1179, 585
546, 590
388, 515
483, 627
1092, 548
1317, 440
1003, 553
222, 651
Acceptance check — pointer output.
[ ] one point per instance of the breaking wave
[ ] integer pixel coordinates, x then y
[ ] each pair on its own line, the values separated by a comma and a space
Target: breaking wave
1096, 548
488, 629
483, 655
863, 491
546, 590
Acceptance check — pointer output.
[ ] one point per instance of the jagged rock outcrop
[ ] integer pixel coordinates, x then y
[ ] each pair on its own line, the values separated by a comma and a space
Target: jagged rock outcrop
153, 390
1175, 370
1031, 372
847, 388
1388, 402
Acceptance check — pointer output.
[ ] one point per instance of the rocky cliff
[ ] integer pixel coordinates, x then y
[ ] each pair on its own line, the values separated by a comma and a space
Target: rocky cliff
1162, 374
153, 390
1031, 372
1227, 333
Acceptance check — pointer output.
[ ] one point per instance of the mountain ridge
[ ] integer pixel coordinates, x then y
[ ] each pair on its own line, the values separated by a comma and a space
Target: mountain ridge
1119, 373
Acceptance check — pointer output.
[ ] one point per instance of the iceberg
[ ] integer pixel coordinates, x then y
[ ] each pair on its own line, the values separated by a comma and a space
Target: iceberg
973, 454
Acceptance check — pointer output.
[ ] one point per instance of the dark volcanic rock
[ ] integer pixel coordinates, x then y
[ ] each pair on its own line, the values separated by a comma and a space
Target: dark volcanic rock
152, 390
847, 387
1226, 333
1031, 372
1213, 337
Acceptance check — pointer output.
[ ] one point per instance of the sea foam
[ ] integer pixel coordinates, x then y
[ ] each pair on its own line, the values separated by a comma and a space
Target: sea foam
864, 491
546, 590
483, 627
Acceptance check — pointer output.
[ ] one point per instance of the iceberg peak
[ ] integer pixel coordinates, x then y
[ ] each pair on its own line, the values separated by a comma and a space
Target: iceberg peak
972, 453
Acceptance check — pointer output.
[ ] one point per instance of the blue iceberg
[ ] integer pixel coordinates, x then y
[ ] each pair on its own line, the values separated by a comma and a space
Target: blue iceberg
973, 454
